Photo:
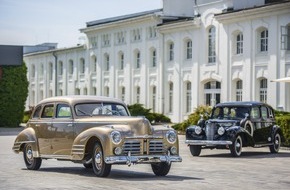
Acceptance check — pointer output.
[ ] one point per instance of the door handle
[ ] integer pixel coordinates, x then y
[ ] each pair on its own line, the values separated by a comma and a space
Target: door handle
70, 125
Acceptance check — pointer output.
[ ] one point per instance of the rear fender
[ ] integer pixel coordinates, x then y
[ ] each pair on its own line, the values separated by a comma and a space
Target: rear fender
26, 136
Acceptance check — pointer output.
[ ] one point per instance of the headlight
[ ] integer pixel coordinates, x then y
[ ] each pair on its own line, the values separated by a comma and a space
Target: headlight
116, 137
197, 130
173, 150
221, 130
171, 136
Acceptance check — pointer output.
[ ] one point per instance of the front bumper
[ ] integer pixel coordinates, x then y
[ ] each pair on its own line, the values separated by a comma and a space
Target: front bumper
207, 142
142, 159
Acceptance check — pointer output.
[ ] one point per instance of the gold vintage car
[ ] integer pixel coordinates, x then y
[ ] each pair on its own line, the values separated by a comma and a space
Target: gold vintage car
97, 132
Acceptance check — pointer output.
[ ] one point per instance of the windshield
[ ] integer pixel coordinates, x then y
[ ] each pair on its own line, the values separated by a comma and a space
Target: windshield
94, 109
229, 112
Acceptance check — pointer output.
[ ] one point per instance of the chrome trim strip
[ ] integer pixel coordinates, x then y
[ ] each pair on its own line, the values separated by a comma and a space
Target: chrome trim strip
207, 142
144, 137
142, 159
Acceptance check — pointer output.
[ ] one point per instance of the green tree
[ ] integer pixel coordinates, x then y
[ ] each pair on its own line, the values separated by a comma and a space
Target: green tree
13, 94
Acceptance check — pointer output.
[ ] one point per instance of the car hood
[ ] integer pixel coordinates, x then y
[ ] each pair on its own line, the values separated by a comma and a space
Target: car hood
224, 121
131, 126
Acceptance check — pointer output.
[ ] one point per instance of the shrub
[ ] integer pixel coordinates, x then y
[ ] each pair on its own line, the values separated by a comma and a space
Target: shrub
13, 93
284, 122
193, 118
139, 110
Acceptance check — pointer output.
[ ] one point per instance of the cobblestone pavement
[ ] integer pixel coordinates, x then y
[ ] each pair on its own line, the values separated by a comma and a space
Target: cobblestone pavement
214, 169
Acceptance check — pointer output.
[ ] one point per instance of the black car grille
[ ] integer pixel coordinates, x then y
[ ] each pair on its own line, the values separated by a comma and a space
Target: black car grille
137, 147
210, 131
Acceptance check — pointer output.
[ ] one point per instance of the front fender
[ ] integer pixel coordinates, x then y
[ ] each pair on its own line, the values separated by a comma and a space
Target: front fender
246, 136
101, 134
26, 136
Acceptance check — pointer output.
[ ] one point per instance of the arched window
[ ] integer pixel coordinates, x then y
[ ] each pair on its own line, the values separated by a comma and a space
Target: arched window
211, 45
239, 90
94, 63
263, 39
188, 97
239, 43
171, 51
189, 49
263, 90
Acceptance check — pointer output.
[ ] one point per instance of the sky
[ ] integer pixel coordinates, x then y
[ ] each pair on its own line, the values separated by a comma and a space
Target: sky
32, 22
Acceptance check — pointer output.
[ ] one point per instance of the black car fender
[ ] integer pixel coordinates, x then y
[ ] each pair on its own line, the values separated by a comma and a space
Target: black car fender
234, 131
277, 129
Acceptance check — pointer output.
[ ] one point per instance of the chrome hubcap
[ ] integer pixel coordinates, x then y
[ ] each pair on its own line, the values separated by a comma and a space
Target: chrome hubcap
29, 154
98, 160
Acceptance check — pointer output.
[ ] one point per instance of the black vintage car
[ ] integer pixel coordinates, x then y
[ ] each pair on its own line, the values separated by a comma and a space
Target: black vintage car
233, 125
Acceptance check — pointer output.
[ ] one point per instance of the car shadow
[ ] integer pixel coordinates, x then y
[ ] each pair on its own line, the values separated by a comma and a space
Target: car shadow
117, 174
252, 155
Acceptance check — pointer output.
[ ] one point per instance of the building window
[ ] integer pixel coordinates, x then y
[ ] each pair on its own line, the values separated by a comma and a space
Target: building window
138, 94
77, 91
264, 40
120, 38
189, 49
136, 35
211, 45
107, 91
82, 66
154, 59
263, 90
137, 58
212, 93
106, 40
188, 97
94, 64
154, 99
94, 91
239, 90
107, 62
123, 94
171, 51
170, 97
239, 41
41, 70
285, 37
33, 71
50, 71
60, 68
93, 42
152, 33
71, 67
121, 60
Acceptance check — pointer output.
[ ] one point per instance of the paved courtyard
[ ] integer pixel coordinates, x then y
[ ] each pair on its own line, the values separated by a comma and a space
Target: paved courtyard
214, 169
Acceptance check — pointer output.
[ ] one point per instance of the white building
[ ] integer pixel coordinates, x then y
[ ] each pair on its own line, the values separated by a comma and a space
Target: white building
174, 59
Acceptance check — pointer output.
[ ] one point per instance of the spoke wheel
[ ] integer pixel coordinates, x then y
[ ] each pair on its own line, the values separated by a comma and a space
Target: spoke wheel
236, 147
31, 162
276, 144
161, 169
195, 150
101, 169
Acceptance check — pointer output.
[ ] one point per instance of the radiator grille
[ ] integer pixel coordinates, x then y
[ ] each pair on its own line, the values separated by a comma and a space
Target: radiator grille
137, 147
210, 131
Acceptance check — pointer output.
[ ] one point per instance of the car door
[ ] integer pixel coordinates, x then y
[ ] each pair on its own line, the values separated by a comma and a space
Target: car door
64, 131
257, 124
45, 130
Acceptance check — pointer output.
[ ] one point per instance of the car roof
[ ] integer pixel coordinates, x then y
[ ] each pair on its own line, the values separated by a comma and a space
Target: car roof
74, 99
246, 104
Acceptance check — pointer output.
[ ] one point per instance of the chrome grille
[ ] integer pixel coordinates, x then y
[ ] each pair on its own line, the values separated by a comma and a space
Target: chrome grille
156, 147
210, 131
143, 146
133, 146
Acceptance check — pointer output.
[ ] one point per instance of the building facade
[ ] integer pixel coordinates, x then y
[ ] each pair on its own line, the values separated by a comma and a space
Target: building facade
174, 59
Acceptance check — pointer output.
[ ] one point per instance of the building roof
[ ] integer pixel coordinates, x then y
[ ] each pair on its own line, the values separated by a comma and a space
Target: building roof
124, 17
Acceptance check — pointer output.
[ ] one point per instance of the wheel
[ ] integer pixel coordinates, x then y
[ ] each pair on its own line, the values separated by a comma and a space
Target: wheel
88, 166
30, 162
195, 150
160, 169
101, 169
236, 147
276, 144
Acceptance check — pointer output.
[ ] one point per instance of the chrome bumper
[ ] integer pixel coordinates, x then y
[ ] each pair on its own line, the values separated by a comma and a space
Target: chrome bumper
207, 142
142, 159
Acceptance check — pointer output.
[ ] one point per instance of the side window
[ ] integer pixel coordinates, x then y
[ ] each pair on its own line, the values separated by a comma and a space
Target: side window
47, 111
255, 113
271, 113
264, 112
63, 111
36, 113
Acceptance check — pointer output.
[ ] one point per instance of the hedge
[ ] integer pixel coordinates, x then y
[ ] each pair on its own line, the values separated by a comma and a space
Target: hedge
13, 94
284, 123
